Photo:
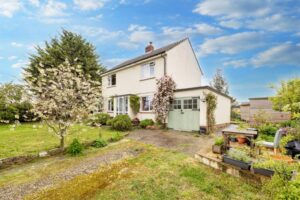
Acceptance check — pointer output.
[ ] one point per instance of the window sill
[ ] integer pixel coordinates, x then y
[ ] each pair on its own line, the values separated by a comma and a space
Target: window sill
146, 112
111, 86
110, 111
145, 79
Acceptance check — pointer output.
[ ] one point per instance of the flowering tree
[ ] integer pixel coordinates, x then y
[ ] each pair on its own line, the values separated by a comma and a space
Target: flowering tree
63, 95
163, 97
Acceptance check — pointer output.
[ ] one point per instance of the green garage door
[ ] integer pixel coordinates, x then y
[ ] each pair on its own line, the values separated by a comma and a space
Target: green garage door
184, 114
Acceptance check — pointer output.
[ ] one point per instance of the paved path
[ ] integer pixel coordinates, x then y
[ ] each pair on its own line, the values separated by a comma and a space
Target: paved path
189, 143
86, 166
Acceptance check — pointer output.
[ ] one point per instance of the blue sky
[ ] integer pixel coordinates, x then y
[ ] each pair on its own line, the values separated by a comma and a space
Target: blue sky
255, 42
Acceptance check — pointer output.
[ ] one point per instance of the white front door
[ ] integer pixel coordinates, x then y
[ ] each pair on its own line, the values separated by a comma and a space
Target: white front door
122, 105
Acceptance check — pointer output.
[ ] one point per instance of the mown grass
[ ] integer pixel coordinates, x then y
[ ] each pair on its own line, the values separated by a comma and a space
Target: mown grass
154, 174
31, 138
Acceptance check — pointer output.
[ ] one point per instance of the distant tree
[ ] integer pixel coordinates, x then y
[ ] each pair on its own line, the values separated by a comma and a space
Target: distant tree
219, 82
15, 104
63, 95
68, 46
162, 98
287, 97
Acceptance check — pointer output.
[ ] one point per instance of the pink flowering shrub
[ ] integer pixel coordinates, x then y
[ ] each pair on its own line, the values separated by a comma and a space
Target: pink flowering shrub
162, 98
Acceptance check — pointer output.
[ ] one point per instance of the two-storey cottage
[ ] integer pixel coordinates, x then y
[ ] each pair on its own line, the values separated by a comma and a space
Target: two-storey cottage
138, 77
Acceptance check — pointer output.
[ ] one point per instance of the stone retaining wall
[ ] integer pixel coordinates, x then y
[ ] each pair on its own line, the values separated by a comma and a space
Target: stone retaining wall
229, 169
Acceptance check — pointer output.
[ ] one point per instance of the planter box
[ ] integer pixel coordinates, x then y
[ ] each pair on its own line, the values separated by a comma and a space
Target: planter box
262, 171
218, 149
237, 163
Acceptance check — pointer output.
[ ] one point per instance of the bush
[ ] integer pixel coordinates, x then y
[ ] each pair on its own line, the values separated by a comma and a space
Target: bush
75, 148
121, 123
219, 141
239, 155
135, 122
101, 118
146, 122
267, 129
116, 137
99, 143
290, 123
109, 122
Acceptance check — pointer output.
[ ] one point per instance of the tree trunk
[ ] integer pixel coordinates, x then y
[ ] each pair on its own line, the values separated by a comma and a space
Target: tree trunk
62, 142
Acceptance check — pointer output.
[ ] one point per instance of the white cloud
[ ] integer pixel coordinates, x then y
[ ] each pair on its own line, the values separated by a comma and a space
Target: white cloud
276, 22
234, 24
141, 36
99, 33
232, 44
35, 2
9, 7
89, 4
128, 45
20, 63
233, 8
12, 57
284, 54
206, 29
136, 27
54, 9
15, 44
96, 18
113, 62
236, 63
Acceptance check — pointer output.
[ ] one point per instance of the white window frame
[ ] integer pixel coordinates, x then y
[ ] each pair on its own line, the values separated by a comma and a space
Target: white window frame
110, 80
122, 105
149, 101
110, 106
148, 70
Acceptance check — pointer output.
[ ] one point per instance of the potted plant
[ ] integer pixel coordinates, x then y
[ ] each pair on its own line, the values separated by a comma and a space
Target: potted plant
218, 147
264, 167
241, 139
237, 158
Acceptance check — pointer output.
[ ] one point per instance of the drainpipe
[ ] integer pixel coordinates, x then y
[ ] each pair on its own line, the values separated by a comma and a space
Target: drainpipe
165, 63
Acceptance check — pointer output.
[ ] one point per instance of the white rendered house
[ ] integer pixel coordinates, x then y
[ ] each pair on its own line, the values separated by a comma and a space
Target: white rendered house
138, 77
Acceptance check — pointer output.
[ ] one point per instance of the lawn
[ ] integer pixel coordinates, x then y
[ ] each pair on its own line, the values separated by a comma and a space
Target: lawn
31, 138
154, 174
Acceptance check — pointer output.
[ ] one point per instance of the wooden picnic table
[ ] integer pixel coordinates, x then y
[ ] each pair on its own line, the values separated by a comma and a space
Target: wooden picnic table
250, 134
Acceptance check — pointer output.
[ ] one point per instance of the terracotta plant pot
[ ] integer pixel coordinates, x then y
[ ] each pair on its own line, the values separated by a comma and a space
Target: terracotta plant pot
241, 140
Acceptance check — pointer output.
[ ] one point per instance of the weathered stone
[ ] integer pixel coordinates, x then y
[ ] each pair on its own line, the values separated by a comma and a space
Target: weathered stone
43, 154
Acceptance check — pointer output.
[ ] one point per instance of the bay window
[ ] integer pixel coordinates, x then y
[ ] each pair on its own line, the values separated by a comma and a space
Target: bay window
111, 105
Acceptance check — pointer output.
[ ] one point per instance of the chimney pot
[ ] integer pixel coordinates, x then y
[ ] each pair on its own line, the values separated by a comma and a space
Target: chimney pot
149, 48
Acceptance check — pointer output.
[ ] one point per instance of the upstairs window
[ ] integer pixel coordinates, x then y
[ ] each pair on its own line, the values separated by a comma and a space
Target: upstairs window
147, 103
147, 70
112, 80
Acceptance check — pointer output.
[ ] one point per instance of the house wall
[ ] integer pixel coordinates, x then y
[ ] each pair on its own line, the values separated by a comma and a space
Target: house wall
265, 107
245, 112
129, 82
182, 66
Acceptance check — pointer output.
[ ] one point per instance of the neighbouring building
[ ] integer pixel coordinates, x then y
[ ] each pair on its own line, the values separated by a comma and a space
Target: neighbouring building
138, 76
262, 106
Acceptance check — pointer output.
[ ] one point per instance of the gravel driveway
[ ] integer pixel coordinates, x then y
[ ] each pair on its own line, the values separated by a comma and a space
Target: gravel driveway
186, 142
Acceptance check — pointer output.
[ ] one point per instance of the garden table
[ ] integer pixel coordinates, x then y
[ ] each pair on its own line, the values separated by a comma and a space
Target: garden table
250, 134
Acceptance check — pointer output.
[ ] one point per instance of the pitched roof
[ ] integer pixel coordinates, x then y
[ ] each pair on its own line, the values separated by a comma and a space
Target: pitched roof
146, 56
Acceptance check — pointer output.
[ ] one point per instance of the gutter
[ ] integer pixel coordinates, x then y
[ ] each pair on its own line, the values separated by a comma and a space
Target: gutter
165, 63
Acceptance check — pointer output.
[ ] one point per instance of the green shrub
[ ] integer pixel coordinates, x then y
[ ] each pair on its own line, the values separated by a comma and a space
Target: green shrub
121, 123
146, 122
75, 148
101, 118
267, 129
99, 143
116, 137
219, 141
239, 155
290, 123
109, 122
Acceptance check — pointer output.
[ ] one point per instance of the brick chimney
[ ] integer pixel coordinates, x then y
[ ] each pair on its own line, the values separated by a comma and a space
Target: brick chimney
149, 48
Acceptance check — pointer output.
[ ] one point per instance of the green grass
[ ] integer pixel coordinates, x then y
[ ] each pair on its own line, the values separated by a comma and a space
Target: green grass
155, 174
32, 138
